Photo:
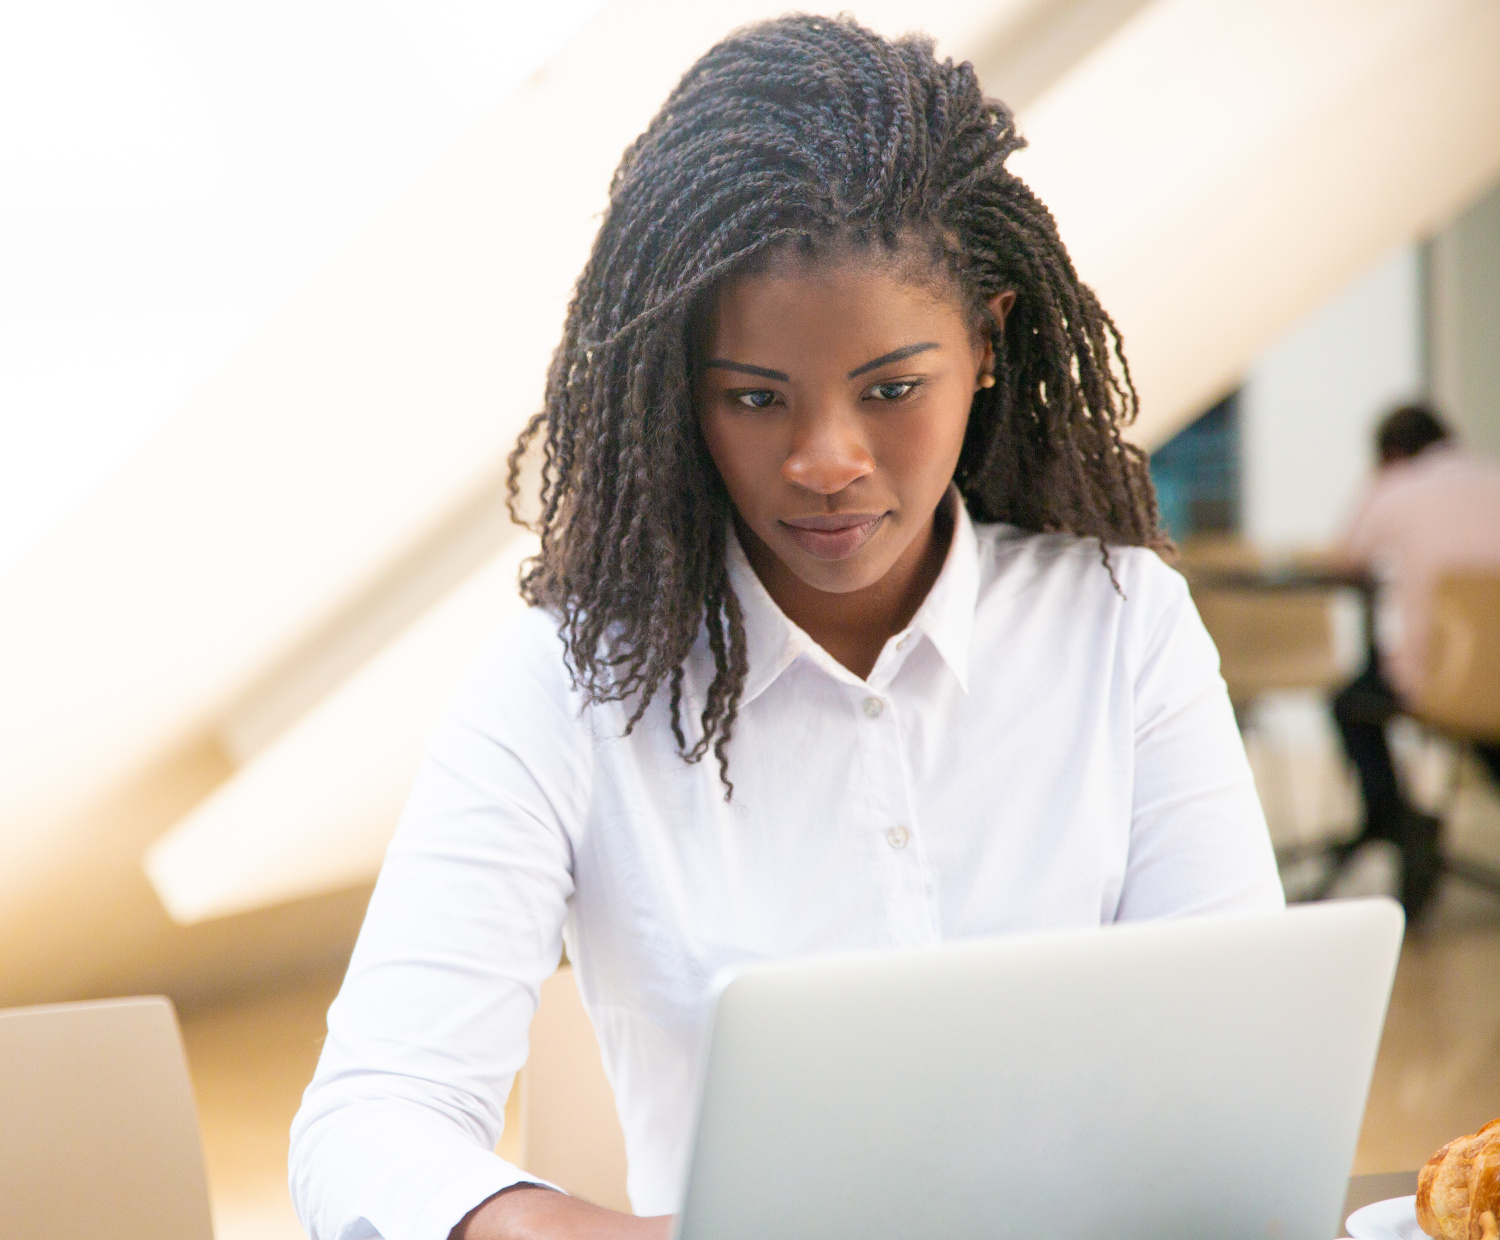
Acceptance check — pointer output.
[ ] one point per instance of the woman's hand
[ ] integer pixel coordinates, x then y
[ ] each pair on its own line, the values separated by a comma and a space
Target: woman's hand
527, 1212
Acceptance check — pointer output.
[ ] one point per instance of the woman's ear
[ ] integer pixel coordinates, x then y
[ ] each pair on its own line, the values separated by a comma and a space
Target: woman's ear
1000, 305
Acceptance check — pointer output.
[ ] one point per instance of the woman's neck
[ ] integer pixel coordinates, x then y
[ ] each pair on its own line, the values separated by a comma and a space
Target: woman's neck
854, 627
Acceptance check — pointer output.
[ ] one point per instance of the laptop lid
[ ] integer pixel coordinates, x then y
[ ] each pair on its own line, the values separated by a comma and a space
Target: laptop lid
1191, 1078
98, 1132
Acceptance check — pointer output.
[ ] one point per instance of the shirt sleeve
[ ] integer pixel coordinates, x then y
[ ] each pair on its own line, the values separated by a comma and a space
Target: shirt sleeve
396, 1133
1198, 838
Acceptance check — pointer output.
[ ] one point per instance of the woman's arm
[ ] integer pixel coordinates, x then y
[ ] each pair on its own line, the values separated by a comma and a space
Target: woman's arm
397, 1131
526, 1212
1198, 838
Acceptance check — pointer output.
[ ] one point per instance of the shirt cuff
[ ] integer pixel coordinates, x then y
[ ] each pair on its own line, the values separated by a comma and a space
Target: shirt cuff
479, 1178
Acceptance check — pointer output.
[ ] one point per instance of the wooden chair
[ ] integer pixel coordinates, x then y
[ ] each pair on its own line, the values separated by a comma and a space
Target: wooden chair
570, 1131
1271, 640
1460, 699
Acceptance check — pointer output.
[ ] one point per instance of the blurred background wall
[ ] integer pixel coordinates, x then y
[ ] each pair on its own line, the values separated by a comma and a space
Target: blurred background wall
280, 285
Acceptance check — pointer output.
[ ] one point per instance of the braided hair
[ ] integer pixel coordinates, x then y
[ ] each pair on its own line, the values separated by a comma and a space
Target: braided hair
804, 135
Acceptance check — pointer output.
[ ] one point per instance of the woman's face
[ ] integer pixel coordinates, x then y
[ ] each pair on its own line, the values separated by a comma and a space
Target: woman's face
834, 401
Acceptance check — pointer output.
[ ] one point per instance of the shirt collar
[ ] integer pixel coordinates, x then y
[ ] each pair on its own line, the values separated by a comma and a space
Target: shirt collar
946, 616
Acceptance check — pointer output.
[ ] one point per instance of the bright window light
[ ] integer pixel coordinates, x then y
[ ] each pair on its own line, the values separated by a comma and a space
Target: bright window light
315, 810
170, 171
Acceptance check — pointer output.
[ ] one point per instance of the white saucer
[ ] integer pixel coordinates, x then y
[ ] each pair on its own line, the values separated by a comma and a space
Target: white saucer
1392, 1219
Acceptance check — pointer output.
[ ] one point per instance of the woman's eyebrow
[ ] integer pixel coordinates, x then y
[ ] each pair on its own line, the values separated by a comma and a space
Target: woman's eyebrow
895, 355
759, 371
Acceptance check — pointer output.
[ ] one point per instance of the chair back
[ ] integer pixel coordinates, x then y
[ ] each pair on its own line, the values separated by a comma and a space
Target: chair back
1461, 692
571, 1130
1270, 640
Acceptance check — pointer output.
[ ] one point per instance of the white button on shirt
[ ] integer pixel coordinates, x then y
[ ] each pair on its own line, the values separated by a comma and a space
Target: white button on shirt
1045, 751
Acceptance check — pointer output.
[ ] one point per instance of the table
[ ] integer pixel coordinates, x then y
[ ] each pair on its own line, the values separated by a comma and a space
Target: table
1290, 576
1363, 1189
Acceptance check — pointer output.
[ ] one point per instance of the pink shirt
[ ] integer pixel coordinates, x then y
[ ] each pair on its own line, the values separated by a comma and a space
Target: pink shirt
1423, 517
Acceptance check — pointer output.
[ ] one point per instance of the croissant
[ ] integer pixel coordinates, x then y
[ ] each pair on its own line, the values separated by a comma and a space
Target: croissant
1458, 1191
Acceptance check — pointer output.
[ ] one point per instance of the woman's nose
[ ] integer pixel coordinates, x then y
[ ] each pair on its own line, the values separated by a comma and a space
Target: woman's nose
828, 453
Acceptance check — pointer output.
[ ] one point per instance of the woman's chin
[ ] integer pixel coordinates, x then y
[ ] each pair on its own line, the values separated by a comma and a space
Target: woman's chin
848, 575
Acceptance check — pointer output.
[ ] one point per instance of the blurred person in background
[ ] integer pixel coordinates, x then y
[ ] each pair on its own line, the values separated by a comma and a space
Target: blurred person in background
848, 632
1431, 508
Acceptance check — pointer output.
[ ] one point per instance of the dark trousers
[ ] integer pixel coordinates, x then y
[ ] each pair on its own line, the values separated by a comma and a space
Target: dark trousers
1362, 709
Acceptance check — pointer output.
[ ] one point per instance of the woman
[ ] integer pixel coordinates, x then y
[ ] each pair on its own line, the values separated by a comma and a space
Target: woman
833, 490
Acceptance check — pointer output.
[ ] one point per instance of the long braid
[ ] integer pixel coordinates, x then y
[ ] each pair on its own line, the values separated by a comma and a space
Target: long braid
813, 133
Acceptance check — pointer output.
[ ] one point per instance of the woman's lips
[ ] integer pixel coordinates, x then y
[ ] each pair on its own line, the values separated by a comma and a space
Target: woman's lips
833, 537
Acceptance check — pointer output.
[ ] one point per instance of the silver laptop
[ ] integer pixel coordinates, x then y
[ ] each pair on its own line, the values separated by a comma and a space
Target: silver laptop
1199, 1079
98, 1131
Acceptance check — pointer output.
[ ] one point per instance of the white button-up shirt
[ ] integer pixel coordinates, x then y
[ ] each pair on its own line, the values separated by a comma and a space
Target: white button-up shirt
1037, 749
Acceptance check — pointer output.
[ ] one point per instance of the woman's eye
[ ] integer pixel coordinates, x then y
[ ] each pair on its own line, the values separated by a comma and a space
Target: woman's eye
894, 390
759, 399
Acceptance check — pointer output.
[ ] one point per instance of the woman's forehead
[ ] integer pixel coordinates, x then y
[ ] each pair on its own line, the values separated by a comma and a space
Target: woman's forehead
859, 296
836, 318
